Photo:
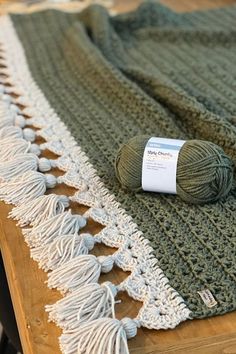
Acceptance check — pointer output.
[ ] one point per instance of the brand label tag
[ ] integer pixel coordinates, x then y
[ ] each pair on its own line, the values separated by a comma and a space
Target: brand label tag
207, 298
160, 165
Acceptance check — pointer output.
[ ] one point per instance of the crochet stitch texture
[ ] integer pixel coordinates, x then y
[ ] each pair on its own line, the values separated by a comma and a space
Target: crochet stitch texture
158, 73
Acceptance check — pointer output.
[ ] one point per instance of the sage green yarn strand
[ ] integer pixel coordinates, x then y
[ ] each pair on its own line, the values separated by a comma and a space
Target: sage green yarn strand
204, 171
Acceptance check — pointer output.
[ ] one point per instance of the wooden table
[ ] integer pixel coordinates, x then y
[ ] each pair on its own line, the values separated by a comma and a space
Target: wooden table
30, 293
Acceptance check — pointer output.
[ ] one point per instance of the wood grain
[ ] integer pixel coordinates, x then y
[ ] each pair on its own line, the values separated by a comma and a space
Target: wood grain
30, 294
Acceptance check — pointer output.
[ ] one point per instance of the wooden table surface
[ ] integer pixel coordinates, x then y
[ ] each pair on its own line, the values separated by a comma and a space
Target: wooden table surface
30, 293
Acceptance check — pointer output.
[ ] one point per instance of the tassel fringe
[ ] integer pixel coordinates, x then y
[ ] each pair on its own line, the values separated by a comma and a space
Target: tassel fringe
25, 188
11, 119
17, 133
11, 148
79, 271
103, 336
62, 249
40, 209
88, 303
59, 225
18, 166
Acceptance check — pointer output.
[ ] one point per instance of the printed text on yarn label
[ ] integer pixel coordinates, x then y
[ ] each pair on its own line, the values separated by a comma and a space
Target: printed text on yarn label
160, 165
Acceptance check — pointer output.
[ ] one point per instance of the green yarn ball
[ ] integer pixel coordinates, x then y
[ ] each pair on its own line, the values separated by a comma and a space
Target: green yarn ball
204, 172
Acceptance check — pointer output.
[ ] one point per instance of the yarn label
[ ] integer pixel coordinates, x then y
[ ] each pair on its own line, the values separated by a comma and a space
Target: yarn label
207, 298
160, 165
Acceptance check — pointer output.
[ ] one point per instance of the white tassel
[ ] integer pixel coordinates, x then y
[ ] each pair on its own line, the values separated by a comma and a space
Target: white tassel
17, 166
79, 271
17, 133
8, 143
25, 188
40, 209
4, 104
8, 106
11, 132
23, 163
88, 303
10, 148
62, 249
5, 110
101, 336
5, 98
48, 230
11, 119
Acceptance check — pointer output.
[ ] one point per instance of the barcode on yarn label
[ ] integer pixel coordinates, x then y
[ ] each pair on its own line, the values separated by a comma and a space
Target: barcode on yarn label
207, 298
159, 166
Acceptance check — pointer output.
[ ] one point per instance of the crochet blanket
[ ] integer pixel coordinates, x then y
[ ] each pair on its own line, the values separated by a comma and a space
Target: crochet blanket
87, 82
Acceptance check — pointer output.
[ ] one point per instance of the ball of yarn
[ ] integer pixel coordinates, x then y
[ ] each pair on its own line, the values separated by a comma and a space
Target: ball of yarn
204, 171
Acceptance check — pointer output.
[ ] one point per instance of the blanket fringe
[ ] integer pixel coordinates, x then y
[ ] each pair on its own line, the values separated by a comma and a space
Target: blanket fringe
23, 163
88, 303
39, 209
104, 335
11, 148
62, 249
79, 271
17, 133
25, 188
48, 230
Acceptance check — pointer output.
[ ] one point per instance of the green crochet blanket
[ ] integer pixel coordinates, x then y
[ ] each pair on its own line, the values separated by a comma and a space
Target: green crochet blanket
153, 72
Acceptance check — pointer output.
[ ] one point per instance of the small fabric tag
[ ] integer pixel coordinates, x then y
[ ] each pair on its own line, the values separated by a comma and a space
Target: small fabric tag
207, 298
160, 165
